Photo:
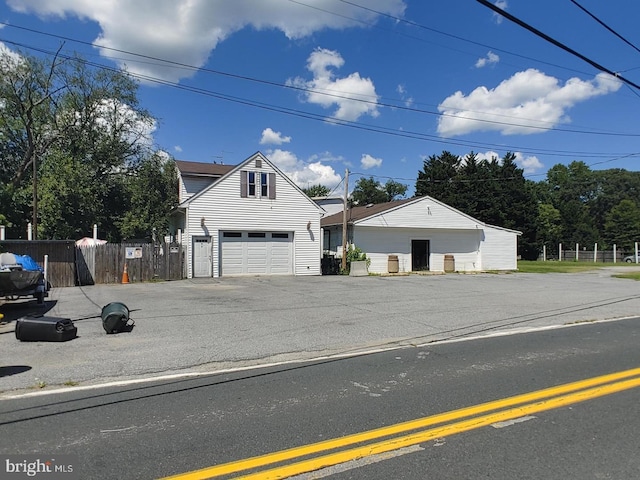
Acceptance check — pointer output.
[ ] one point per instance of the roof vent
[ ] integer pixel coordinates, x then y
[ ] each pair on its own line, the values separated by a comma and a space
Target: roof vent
258, 163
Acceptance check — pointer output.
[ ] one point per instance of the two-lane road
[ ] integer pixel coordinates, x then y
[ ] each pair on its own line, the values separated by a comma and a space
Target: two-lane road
558, 403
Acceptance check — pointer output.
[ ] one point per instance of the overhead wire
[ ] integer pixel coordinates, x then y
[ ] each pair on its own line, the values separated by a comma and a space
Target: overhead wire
323, 118
446, 34
605, 25
555, 42
329, 93
478, 180
377, 129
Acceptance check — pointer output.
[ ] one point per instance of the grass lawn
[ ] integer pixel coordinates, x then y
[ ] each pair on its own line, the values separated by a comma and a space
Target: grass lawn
631, 275
527, 266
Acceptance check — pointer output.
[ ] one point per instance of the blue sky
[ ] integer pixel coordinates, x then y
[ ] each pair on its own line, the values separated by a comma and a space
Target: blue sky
321, 86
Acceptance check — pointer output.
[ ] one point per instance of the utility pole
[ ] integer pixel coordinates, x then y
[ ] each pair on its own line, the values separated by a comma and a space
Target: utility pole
344, 220
34, 214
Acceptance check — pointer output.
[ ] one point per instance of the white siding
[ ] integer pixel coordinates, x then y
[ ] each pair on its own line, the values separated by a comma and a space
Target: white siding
499, 249
378, 243
425, 212
189, 186
331, 205
223, 209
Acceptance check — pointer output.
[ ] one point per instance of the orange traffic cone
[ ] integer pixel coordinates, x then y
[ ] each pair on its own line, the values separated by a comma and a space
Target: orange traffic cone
125, 275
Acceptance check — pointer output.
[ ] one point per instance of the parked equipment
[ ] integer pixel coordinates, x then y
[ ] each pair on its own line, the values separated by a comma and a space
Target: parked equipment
115, 318
21, 276
45, 329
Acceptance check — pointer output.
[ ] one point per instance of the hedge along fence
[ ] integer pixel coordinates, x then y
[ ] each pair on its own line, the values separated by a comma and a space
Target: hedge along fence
69, 265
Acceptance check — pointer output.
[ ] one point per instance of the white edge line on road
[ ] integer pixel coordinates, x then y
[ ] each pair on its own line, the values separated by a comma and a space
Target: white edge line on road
175, 376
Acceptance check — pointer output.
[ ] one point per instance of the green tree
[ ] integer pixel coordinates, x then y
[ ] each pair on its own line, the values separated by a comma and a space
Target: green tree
572, 190
549, 226
612, 186
317, 191
493, 191
622, 225
436, 177
369, 190
73, 132
394, 190
152, 192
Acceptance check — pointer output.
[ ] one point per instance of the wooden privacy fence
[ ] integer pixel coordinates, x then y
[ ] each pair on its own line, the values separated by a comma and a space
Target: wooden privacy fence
146, 262
69, 265
61, 253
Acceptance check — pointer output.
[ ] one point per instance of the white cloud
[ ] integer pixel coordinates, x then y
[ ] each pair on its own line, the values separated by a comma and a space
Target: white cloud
528, 164
490, 59
526, 103
269, 137
502, 4
186, 31
404, 95
367, 161
121, 118
9, 59
177, 149
305, 174
353, 95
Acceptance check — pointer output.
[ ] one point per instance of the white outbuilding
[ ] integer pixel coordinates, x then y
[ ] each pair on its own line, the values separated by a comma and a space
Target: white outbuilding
422, 234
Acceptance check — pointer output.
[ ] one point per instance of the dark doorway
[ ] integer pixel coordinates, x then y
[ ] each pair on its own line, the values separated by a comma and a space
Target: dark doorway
419, 255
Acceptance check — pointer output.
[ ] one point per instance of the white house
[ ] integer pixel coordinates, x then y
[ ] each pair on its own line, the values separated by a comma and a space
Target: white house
247, 219
330, 205
421, 231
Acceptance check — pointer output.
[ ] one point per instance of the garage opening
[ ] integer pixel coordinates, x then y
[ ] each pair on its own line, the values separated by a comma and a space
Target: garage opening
420, 250
256, 253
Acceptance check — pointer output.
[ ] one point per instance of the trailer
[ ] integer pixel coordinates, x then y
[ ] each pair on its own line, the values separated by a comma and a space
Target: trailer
21, 276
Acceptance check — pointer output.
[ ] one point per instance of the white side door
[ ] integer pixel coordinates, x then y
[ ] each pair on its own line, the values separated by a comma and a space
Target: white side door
202, 264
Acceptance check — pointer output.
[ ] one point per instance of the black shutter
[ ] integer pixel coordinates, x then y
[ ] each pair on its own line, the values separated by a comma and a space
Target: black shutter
243, 183
272, 186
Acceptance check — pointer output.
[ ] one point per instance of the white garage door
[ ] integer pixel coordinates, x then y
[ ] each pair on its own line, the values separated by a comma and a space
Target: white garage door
256, 253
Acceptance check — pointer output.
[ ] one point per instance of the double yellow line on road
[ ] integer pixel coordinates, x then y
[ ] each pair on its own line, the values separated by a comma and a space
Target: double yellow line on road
455, 421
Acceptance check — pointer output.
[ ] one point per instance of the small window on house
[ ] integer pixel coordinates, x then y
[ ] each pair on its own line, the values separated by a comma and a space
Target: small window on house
258, 163
279, 235
252, 184
232, 234
257, 235
264, 187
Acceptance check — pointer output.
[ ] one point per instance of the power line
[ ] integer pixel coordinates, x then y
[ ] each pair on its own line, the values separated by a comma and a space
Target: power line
605, 25
329, 92
558, 44
446, 34
312, 116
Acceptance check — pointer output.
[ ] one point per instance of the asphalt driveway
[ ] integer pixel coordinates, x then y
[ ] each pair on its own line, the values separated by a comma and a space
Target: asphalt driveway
214, 324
